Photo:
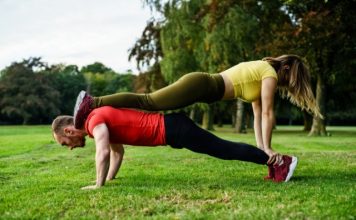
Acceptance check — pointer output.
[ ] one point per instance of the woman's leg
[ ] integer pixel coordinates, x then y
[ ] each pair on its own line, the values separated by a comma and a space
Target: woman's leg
191, 88
181, 132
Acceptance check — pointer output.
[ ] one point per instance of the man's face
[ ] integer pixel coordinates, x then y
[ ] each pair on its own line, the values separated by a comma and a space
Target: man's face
72, 138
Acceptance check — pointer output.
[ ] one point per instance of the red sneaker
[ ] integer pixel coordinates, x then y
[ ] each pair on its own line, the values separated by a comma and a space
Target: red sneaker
284, 171
82, 109
270, 173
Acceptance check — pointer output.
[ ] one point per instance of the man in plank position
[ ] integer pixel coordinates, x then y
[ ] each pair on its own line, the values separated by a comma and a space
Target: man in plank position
111, 128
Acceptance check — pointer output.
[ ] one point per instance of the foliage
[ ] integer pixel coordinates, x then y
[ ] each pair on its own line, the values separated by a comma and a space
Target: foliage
149, 81
211, 36
180, 36
100, 84
208, 36
26, 94
214, 35
41, 180
324, 35
34, 93
68, 81
96, 67
147, 50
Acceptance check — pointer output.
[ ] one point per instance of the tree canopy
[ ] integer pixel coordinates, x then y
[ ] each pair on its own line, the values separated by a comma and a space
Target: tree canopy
207, 36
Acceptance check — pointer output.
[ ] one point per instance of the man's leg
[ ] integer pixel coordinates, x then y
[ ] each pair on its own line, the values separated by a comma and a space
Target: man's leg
181, 132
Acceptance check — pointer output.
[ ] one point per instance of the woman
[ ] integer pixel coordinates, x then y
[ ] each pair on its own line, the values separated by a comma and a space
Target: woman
254, 81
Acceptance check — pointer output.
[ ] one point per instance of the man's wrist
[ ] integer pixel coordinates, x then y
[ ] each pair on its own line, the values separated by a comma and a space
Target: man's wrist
110, 178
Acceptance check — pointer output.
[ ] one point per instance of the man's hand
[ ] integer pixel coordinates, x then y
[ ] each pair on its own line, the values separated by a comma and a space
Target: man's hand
274, 157
91, 187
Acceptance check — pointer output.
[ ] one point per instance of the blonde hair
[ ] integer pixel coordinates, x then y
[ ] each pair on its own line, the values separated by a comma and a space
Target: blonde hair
60, 122
294, 82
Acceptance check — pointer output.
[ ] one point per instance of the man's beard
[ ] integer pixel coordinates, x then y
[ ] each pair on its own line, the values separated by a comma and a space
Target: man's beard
82, 142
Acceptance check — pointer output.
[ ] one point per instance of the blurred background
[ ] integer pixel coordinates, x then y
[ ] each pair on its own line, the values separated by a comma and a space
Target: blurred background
50, 50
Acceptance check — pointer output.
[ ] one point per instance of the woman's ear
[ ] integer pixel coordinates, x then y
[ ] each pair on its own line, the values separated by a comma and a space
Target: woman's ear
286, 67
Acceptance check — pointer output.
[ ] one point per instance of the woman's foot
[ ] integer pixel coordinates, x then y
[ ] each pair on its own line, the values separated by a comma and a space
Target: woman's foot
284, 171
270, 173
82, 109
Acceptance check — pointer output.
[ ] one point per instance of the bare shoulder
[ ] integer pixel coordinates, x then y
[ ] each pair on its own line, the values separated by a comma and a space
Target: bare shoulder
269, 84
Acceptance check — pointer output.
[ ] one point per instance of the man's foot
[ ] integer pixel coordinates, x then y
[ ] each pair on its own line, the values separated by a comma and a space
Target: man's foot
270, 173
284, 171
82, 109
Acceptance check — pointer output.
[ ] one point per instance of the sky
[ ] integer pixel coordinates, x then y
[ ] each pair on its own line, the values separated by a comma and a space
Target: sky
78, 32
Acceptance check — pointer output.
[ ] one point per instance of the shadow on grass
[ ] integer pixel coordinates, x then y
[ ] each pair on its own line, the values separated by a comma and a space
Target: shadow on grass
330, 177
5, 177
167, 182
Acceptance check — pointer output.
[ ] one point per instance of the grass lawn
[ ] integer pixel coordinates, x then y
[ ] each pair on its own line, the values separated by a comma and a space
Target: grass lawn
41, 180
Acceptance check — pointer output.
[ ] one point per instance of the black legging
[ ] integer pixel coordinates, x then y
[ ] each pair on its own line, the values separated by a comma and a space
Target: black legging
181, 132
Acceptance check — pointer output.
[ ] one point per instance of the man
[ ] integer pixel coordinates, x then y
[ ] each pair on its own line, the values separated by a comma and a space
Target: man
111, 128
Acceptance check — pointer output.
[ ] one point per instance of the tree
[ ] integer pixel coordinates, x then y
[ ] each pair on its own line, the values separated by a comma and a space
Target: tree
148, 53
215, 35
324, 34
68, 81
121, 83
147, 50
27, 96
96, 67
149, 81
106, 81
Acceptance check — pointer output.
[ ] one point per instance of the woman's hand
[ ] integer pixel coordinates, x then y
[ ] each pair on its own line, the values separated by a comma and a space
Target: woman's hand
274, 157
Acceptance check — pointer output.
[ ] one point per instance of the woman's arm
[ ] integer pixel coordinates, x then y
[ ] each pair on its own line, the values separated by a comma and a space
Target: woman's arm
268, 89
257, 110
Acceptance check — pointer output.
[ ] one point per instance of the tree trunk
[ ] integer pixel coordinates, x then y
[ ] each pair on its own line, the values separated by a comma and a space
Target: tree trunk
208, 119
220, 122
318, 127
233, 116
308, 120
240, 125
233, 119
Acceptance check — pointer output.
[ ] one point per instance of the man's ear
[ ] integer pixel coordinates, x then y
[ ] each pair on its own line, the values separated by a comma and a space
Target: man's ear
68, 131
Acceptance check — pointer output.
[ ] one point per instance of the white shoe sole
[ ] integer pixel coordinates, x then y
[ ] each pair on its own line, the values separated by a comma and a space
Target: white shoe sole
292, 167
78, 102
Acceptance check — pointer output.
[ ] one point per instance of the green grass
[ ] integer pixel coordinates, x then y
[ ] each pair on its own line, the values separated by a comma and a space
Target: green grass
41, 180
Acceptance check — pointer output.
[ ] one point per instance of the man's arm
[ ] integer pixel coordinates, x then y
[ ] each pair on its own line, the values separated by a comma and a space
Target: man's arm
101, 137
116, 156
